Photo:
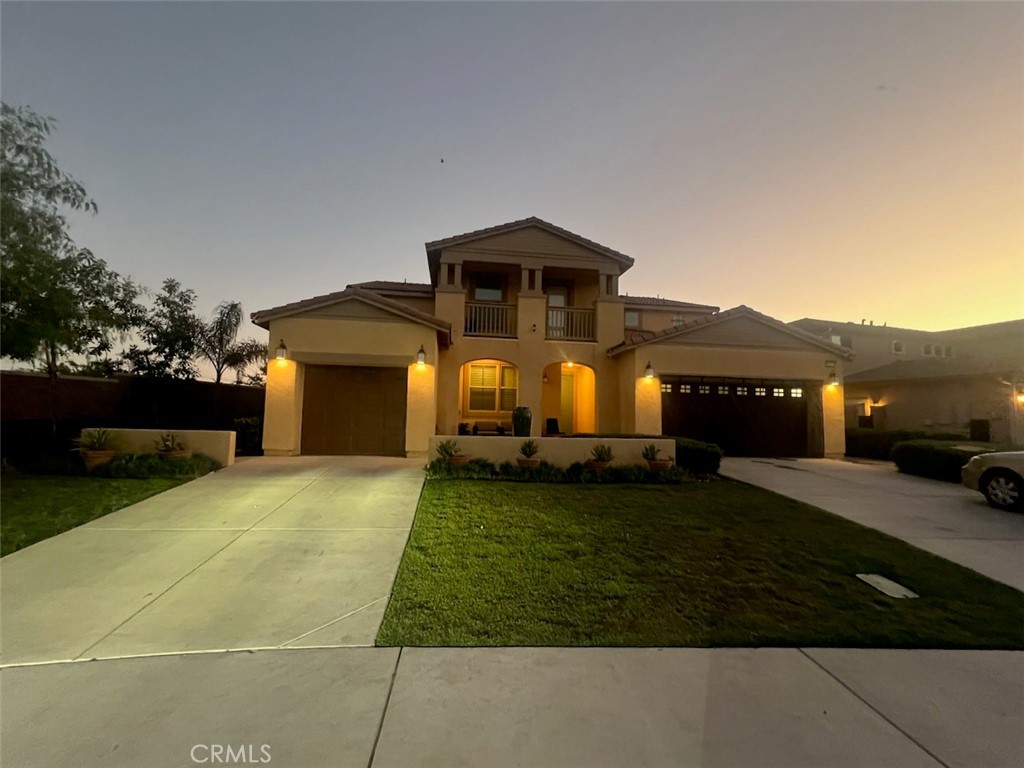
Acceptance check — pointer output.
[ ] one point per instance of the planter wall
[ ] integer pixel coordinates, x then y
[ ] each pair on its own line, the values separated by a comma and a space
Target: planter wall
562, 452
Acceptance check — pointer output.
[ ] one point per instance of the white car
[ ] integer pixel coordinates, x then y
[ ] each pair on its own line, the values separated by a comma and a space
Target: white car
1000, 476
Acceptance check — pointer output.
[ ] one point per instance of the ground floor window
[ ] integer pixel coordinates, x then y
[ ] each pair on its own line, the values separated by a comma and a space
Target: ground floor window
492, 387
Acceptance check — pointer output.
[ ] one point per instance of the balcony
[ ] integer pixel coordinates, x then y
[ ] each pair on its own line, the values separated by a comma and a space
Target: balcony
570, 324
485, 318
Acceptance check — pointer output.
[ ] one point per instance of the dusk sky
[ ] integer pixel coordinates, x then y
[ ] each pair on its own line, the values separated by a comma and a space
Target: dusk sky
825, 160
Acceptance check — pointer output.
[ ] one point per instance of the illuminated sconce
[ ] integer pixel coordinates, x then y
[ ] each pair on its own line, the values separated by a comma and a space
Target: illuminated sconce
544, 378
569, 364
649, 370
1020, 398
282, 350
421, 356
833, 379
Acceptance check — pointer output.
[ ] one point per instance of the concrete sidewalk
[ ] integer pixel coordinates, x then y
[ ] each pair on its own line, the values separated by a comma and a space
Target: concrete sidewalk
943, 518
266, 553
537, 707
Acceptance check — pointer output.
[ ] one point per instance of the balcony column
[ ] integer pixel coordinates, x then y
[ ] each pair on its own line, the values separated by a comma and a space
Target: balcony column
537, 288
458, 275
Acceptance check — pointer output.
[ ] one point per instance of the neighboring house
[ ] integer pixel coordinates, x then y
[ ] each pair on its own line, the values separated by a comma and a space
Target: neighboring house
527, 313
941, 381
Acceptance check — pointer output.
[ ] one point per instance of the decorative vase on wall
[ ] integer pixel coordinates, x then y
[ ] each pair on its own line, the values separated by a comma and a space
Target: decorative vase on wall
522, 421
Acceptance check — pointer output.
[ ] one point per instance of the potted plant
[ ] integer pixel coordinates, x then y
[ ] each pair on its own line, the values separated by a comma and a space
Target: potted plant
522, 421
96, 447
450, 451
600, 458
168, 446
529, 450
650, 453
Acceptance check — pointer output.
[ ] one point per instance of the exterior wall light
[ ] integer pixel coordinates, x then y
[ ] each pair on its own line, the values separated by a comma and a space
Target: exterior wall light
282, 350
833, 379
649, 370
421, 356
1020, 398
568, 364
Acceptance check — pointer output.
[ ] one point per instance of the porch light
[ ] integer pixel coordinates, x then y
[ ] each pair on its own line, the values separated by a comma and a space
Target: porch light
568, 364
649, 370
833, 379
282, 350
1020, 398
421, 356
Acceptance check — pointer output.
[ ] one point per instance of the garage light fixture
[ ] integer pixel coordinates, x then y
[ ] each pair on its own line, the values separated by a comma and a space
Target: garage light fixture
421, 356
282, 350
833, 379
649, 370
1020, 398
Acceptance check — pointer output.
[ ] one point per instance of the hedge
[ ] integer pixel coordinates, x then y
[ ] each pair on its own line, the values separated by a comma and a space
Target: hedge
937, 459
877, 444
481, 469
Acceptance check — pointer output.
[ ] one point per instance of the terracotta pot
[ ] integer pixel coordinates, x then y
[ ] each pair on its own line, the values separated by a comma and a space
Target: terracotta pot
597, 467
659, 465
522, 461
95, 459
184, 453
458, 460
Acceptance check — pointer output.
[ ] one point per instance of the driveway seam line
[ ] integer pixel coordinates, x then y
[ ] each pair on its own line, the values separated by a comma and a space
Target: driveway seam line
384, 711
333, 621
200, 565
870, 706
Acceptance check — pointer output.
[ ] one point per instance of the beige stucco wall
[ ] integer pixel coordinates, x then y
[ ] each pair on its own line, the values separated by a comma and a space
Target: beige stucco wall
219, 445
332, 341
560, 451
943, 405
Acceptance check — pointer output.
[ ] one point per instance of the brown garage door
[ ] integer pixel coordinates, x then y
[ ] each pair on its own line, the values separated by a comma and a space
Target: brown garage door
353, 410
745, 417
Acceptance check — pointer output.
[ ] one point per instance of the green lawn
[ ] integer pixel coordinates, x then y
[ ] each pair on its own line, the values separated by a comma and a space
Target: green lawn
36, 507
702, 564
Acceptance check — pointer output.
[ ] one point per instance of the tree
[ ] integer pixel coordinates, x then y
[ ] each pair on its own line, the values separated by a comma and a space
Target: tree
244, 354
171, 330
56, 299
217, 337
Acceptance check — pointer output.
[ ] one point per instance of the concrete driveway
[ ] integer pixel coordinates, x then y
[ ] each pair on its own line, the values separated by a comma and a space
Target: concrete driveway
946, 519
272, 552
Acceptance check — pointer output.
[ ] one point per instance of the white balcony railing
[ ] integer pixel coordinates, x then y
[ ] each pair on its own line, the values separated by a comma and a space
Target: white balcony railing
570, 324
484, 318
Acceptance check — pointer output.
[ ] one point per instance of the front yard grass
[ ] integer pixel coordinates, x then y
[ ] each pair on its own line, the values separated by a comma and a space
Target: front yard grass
36, 507
703, 564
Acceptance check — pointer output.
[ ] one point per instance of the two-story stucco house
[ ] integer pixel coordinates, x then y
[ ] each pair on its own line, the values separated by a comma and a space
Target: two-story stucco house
528, 313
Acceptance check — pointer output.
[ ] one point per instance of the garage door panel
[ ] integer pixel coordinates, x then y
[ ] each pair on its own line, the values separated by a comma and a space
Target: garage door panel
743, 417
354, 410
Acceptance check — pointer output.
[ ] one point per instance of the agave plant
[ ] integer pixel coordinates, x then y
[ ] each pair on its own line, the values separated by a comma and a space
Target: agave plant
529, 448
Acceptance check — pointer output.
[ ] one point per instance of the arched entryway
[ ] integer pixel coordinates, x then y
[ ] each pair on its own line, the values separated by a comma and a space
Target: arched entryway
488, 393
568, 397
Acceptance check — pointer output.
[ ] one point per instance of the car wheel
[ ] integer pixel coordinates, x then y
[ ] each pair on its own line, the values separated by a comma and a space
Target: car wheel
1003, 489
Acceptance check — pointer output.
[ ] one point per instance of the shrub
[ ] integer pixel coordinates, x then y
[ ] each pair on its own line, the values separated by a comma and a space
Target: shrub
448, 448
95, 440
143, 466
481, 469
937, 459
529, 448
698, 457
650, 452
601, 452
542, 473
248, 436
877, 443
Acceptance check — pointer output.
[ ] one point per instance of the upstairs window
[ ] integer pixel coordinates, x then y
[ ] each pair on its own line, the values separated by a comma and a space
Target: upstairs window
489, 288
632, 319
897, 348
796, 392
949, 351
927, 350
492, 387
677, 320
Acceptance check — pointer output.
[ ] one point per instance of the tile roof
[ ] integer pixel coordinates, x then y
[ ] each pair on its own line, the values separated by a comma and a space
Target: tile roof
263, 317
741, 310
903, 370
532, 221
393, 286
655, 301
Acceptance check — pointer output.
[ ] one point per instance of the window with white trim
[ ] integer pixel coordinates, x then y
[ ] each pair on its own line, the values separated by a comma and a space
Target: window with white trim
677, 319
632, 319
666, 388
897, 348
796, 392
704, 389
492, 387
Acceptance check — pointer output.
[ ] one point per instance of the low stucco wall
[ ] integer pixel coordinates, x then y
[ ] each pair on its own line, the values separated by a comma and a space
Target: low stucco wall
560, 451
218, 445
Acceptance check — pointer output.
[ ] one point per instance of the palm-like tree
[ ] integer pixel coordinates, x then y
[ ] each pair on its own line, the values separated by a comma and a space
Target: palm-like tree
247, 352
217, 337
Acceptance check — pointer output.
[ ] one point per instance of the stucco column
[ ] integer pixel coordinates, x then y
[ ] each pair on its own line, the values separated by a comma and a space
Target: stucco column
420, 408
282, 420
832, 404
648, 406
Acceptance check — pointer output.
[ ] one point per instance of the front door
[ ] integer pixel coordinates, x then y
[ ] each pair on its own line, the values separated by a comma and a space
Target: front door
565, 413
